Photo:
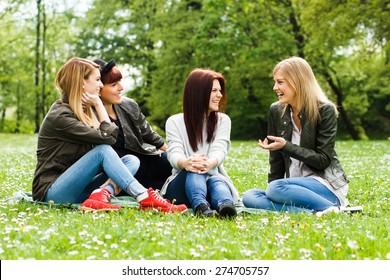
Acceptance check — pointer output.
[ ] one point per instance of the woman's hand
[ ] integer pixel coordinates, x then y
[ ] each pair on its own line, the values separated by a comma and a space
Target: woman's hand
90, 100
199, 163
277, 144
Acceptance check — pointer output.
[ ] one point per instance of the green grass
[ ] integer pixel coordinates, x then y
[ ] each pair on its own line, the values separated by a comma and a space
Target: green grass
32, 231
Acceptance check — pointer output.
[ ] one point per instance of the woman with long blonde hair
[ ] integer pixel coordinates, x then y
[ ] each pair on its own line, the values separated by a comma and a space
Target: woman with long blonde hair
305, 172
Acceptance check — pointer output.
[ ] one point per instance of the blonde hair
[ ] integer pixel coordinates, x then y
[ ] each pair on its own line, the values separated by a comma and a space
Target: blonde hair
69, 81
309, 95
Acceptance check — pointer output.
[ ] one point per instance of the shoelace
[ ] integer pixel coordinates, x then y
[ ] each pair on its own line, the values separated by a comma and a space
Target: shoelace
158, 197
106, 196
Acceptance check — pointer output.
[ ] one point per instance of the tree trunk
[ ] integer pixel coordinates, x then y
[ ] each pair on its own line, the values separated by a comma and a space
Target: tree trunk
18, 109
43, 61
37, 68
2, 119
299, 38
339, 95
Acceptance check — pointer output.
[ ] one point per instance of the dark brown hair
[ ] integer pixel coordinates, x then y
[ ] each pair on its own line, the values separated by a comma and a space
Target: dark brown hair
196, 99
112, 76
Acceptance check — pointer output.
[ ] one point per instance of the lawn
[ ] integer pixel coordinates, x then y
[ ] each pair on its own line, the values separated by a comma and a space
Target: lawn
35, 231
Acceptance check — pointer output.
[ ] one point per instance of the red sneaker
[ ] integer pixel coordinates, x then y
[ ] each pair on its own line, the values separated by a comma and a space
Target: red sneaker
155, 201
99, 200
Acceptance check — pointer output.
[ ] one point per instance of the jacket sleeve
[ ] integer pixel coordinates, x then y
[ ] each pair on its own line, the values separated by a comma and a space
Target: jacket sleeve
69, 128
276, 159
319, 156
148, 135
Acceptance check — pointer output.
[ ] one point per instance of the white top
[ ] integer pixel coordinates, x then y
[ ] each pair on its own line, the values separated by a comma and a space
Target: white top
179, 147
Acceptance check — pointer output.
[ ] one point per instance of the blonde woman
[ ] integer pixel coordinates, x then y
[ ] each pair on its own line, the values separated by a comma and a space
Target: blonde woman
74, 156
305, 173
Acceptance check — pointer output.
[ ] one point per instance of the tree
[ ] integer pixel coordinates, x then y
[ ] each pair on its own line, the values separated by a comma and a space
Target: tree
338, 36
27, 72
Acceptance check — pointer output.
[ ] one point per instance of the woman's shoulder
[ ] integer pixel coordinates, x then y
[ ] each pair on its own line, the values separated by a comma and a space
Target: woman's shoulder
276, 106
327, 108
127, 101
223, 117
177, 118
130, 107
59, 108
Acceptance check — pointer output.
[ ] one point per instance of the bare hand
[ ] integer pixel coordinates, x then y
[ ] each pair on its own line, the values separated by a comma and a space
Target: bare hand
277, 144
90, 100
198, 163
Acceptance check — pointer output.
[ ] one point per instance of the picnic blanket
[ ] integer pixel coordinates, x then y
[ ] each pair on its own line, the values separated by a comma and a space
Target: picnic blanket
123, 201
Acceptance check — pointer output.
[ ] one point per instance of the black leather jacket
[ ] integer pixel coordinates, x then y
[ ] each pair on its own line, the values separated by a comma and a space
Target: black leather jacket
138, 134
316, 149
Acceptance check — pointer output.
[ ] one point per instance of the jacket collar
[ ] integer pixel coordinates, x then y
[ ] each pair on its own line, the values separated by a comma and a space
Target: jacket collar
64, 98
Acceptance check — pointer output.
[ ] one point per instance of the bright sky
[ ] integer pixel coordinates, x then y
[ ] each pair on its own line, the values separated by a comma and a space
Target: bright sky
29, 7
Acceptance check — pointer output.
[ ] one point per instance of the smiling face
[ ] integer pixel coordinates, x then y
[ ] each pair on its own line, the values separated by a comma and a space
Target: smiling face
112, 93
286, 94
215, 97
93, 84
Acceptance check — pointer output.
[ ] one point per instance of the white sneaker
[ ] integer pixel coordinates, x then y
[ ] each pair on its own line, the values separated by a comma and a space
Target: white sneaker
352, 209
332, 209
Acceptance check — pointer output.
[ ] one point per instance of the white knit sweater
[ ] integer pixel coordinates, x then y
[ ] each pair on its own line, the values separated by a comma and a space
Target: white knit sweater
179, 147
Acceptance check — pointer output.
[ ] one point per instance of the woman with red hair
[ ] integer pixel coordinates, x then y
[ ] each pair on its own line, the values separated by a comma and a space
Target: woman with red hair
198, 142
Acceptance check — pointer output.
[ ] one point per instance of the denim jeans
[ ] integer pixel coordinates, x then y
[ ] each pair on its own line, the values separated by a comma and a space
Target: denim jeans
193, 189
292, 195
91, 171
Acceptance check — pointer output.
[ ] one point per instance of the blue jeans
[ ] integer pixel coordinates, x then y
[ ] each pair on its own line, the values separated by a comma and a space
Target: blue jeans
91, 171
292, 195
193, 189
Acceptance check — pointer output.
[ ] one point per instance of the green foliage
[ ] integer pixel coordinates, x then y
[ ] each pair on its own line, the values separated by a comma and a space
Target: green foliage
344, 43
18, 91
36, 231
160, 42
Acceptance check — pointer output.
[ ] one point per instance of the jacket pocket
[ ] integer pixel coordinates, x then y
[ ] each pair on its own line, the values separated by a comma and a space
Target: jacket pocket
335, 176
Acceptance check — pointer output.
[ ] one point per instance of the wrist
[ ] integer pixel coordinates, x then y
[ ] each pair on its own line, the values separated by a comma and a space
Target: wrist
212, 162
98, 102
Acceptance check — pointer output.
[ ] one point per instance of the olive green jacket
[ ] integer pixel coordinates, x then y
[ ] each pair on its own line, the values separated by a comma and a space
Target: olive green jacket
62, 141
316, 149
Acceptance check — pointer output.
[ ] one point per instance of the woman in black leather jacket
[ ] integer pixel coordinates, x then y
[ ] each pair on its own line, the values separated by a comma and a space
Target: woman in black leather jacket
305, 173
136, 137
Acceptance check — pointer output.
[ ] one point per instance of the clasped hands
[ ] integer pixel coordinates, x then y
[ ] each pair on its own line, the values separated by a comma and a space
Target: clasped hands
198, 163
277, 144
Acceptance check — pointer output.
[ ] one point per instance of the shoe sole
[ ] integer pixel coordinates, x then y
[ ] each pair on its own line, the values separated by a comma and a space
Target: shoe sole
353, 209
160, 210
227, 212
88, 209
211, 215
